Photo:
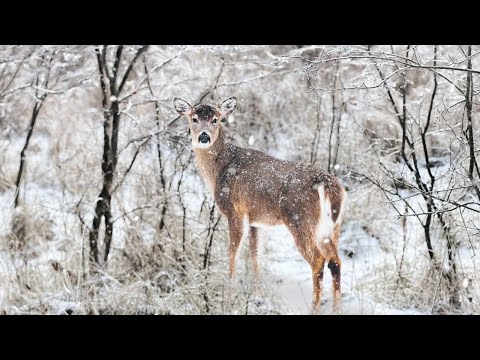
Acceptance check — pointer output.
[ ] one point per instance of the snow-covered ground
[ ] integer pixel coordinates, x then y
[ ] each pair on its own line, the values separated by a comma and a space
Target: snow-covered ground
385, 270
293, 281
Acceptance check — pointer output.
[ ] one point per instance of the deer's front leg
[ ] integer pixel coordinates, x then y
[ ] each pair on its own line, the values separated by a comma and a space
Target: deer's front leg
254, 252
235, 225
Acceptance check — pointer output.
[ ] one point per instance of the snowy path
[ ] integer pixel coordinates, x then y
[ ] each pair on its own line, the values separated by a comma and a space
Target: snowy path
293, 281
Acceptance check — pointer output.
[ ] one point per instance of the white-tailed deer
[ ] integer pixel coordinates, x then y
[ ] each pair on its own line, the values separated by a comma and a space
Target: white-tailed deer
248, 184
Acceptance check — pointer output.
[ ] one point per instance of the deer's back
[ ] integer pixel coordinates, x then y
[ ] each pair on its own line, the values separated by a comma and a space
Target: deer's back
271, 191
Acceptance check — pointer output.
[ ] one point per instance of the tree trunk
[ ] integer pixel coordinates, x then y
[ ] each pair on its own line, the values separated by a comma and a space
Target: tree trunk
111, 125
33, 119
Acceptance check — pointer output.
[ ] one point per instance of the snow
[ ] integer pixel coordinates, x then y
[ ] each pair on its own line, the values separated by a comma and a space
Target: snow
385, 266
293, 281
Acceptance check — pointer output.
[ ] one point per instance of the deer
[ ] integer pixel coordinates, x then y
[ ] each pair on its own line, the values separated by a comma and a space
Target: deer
255, 190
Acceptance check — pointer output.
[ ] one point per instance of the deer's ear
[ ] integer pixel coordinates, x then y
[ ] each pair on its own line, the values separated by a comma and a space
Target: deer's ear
181, 106
228, 106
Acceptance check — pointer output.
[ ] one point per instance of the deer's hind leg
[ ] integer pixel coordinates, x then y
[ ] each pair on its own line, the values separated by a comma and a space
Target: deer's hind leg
318, 263
335, 264
305, 242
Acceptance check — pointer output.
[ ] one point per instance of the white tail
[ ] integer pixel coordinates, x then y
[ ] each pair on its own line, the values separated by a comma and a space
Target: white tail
249, 184
326, 223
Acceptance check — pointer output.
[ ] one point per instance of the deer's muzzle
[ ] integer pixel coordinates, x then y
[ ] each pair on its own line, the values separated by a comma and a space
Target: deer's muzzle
204, 138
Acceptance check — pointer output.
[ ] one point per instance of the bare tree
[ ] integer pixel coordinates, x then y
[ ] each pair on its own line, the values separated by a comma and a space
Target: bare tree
40, 97
43, 81
113, 78
473, 165
89, 137
398, 76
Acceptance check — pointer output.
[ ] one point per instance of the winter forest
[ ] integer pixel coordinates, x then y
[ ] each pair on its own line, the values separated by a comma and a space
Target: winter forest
103, 210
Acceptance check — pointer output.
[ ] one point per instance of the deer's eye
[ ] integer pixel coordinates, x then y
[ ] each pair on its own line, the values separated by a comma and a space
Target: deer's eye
214, 121
195, 119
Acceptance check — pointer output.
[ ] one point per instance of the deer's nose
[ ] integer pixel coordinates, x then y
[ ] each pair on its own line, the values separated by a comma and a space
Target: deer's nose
204, 138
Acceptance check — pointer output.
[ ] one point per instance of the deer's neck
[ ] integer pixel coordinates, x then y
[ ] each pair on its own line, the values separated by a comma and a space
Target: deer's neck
212, 160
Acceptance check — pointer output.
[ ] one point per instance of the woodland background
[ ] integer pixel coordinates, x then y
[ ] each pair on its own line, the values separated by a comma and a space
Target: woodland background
103, 212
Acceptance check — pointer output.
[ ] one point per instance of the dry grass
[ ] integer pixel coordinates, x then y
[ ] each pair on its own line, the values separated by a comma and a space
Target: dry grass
46, 277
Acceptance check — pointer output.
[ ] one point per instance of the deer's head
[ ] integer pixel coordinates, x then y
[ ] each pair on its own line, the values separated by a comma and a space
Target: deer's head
205, 120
